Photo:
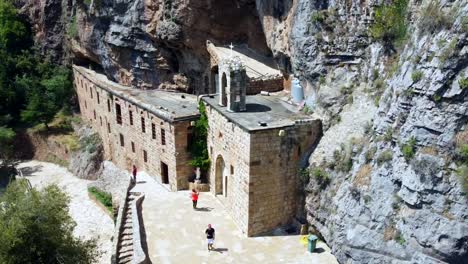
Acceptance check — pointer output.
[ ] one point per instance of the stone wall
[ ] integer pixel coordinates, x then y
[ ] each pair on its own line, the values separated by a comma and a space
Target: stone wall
255, 86
274, 181
261, 169
98, 106
229, 143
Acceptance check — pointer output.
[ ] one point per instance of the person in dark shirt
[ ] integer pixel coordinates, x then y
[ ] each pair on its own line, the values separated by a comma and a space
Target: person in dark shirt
210, 236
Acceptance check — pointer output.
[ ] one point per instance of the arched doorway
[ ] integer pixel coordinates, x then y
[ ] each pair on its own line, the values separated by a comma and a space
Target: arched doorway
220, 177
214, 83
223, 89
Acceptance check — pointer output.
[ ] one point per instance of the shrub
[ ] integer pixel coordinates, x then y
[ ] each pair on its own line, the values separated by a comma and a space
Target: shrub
463, 82
388, 136
437, 98
90, 143
370, 154
321, 80
449, 51
409, 148
384, 157
322, 177
317, 17
462, 173
199, 146
390, 23
73, 28
399, 238
416, 76
103, 197
433, 18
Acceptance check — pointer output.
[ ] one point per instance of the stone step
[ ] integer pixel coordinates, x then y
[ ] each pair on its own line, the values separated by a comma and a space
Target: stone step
126, 243
128, 221
127, 231
125, 249
126, 254
125, 237
128, 225
125, 260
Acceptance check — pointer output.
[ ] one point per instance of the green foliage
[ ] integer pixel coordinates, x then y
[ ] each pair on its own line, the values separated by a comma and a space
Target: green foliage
35, 227
199, 145
370, 154
400, 239
462, 173
463, 82
343, 160
388, 136
390, 23
437, 98
409, 149
14, 34
416, 76
304, 176
384, 157
322, 178
103, 197
52, 158
73, 28
317, 17
321, 80
449, 51
433, 18
7, 163
90, 143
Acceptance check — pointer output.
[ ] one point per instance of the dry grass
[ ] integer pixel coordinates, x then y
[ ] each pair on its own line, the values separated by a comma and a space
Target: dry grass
390, 233
429, 151
363, 176
461, 138
70, 141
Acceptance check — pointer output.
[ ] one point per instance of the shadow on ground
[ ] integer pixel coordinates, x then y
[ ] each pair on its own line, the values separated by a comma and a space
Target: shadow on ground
29, 171
204, 209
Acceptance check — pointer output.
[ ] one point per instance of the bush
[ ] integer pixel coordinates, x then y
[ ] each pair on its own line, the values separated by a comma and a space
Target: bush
103, 197
462, 173
322, 177
463, 82
449, 51
384, 157
73, 28
409, 148
370, 154
416, 76
390, 23
199, 146
433, 18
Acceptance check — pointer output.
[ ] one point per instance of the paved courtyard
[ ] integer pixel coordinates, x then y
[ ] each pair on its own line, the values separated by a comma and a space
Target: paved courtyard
175, 232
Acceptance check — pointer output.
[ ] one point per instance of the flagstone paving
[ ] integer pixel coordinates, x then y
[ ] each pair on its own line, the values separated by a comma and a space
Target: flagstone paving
175, 232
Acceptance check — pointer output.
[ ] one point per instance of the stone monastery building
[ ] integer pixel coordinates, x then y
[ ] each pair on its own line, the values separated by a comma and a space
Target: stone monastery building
255, 143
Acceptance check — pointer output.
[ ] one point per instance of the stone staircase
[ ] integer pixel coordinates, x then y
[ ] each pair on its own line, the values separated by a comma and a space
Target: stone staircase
125, 240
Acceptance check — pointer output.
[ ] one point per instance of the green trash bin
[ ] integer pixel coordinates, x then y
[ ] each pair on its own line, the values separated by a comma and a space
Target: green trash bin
312, 243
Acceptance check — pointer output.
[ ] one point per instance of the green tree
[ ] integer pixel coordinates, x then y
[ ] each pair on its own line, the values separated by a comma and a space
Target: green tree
7, 164
14, 34
35, 227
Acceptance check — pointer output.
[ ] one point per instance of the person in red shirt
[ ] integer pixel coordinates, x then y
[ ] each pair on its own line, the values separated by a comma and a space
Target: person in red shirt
134, 173
194, 198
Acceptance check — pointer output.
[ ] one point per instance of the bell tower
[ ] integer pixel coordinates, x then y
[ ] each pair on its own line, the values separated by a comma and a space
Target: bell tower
233, 80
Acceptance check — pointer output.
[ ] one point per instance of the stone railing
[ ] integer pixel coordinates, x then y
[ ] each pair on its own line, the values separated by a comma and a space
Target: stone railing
139, 256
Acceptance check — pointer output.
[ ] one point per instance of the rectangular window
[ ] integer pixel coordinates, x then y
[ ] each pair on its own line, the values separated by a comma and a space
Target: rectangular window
145, 156
153, 130
163, 136
118, 114
97, 96
108, 105
85, 105
232, 169
133, 147
91, 91
94, 112
100, 119
143, 127
130, 114
122, 142
108, 127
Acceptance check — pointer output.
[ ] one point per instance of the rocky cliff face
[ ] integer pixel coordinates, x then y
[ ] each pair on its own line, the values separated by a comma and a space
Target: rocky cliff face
386, 180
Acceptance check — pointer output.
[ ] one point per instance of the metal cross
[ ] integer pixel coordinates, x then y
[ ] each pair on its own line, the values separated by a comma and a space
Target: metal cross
231, 46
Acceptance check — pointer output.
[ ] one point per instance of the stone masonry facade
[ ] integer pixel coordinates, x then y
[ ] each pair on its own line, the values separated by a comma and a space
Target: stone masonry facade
255, 173
140, 137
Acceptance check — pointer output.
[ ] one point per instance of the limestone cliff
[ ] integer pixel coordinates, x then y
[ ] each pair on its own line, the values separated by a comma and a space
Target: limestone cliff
386, 184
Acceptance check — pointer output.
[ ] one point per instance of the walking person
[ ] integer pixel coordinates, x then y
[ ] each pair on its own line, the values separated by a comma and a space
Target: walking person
210, 236
194, 195
134, 173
